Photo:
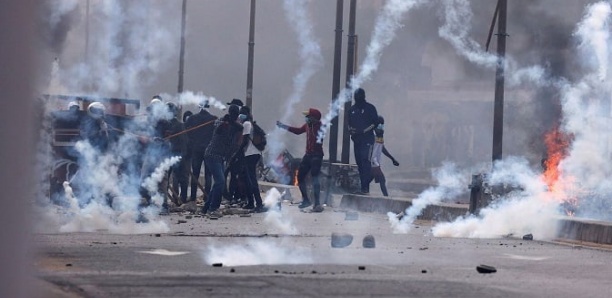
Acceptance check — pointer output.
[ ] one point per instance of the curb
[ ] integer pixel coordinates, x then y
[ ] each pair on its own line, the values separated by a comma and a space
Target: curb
569, 228
585, 230
440, 212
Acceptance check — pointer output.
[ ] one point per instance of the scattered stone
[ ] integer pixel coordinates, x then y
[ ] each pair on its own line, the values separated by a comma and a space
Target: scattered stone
485, 269
232, 270
313, 272
68, 265
369, 241
423, 271
528, 237
217, 264
188, 217
245, 215
180, 221
341, 240
157, 235
361, 267
275, 271
423, 248
351, 215
113, 242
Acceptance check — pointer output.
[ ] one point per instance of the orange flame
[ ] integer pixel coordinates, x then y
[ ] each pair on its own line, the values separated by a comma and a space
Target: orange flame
295, 178
557, 144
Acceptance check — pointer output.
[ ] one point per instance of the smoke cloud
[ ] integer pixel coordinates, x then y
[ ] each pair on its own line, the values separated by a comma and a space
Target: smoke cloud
255, 252
274, 217
451, 184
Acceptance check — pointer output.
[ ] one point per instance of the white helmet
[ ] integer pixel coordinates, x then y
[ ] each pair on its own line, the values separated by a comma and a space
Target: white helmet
73, 104
96, 110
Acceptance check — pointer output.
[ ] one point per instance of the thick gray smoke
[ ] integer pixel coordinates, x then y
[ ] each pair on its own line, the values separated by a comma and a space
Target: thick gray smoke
584, 174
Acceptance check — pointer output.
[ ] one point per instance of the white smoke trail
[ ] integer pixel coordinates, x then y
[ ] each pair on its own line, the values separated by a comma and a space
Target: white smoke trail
196, 98
458, 16
256, 252
451, 184
593, 32
119, 62
311, 59
457, 19
151, 183
274, 217
387, 23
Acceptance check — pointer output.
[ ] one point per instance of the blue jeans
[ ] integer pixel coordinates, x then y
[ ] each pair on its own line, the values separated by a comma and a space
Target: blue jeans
363, 149
215, 164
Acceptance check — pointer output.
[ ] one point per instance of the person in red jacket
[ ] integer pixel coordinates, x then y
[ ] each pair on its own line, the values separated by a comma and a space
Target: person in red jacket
311, 162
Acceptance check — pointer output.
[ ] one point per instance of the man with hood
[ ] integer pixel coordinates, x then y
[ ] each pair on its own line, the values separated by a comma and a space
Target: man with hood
312, 160
225, 139
362, 120
200, 128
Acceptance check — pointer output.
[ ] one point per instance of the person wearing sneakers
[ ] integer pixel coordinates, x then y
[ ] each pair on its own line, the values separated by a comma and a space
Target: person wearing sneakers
362, 120
311, 162
377, 150
251, 157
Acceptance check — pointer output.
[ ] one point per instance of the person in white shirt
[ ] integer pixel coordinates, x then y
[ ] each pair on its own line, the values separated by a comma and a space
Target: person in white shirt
251, 158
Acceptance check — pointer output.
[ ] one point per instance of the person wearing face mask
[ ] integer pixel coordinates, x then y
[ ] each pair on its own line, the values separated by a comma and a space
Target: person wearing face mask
250, 156
225, 138
362, 120
311, 162
377, 150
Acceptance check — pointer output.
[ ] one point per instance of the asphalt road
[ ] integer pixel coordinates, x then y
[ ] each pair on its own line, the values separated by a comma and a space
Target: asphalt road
260, 257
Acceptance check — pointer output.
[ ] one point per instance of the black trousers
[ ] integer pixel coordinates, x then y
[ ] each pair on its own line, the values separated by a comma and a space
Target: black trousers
310, 164
197, 159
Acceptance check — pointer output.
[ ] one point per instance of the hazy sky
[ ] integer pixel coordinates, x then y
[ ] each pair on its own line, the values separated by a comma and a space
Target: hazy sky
417, 70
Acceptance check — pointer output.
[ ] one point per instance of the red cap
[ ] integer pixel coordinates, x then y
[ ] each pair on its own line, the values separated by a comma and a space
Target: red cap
314, 113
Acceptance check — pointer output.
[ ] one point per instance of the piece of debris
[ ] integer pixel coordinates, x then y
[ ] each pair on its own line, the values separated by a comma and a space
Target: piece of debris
369, 241
351, 215
485, 269
188, 217
217, 264
528, 237
157, 235
68, 265
232, 270
423, 248
423, 271
361, 267
341, 239
245, 215
180, 221
400, 215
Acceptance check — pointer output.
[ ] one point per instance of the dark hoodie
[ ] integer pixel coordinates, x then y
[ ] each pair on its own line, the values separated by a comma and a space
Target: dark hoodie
362, 116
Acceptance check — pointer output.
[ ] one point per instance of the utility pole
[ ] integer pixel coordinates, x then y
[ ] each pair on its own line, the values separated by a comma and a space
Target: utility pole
498, 109
350, 72
182, 50
249, 88
87, 32
333, 136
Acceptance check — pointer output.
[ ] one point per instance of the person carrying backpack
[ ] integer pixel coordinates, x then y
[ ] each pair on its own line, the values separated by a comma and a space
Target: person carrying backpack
251, 158
312, 160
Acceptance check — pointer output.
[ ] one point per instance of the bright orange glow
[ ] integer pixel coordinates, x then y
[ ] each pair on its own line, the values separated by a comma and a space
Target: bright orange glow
557, 144
295, 178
